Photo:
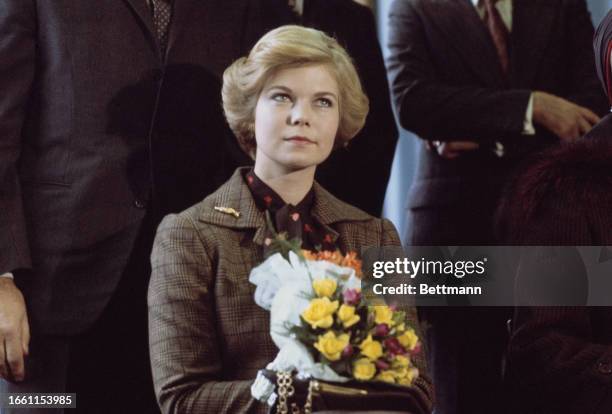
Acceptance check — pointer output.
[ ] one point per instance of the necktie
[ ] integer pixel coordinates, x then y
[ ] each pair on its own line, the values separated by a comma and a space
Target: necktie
162, 13
499, 33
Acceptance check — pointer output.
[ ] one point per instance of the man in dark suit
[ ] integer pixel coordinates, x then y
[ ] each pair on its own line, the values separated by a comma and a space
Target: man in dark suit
109, 119
357, 174
488, 83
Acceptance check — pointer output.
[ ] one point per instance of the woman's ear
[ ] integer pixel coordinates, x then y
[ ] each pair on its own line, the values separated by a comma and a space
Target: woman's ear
341, 143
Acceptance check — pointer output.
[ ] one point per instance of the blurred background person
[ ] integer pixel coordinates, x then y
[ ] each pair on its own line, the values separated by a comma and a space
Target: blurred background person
602, 46
488, 84
560, 358
101, 101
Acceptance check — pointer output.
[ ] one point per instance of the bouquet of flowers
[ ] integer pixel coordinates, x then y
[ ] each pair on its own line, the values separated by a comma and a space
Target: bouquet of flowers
322, 325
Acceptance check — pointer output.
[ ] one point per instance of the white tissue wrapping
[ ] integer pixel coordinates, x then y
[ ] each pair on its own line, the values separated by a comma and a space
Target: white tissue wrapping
285, 288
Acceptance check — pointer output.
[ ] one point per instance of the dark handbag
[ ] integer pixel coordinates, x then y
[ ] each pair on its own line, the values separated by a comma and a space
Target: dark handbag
353, 396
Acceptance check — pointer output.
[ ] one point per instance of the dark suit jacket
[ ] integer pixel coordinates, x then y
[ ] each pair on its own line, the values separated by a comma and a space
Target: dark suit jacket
447, 85
90, 112
208, 338
358, 174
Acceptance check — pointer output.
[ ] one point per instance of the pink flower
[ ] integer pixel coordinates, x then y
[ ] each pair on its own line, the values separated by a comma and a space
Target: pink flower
352, 297
394, 347
381, 330
382, 365
416, 350
348, 351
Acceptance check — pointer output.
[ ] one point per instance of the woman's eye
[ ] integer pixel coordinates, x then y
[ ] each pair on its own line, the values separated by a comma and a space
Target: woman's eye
281, 97
324, 102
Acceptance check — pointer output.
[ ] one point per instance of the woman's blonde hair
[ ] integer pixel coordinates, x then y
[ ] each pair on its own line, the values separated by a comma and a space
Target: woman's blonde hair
283, 48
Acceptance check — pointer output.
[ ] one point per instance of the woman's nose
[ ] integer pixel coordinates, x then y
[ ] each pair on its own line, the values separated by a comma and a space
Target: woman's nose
300, 115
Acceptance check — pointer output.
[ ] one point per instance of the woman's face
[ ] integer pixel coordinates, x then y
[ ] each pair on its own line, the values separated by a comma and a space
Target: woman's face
296, 119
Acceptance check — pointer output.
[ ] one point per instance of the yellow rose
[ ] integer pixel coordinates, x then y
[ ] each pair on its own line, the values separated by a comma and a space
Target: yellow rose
400, 361
331, 346
371, 348
347, 316
319, 313
324, 287
386, 376
401, 327
364, 369
409, 377
383, 314
408, 339
400, 372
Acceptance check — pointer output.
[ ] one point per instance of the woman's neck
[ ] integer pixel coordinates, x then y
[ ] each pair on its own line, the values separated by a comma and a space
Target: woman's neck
292, 187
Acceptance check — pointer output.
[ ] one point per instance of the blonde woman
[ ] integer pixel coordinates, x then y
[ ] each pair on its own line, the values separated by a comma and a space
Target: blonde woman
293, 99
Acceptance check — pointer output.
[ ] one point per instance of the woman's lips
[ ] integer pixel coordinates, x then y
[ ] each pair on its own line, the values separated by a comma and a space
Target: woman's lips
300, 140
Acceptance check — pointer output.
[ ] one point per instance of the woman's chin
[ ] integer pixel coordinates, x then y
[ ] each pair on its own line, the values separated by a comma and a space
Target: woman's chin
301, 163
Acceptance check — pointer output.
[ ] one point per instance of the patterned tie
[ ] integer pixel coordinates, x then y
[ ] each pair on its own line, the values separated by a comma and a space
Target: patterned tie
499, 33
162, 13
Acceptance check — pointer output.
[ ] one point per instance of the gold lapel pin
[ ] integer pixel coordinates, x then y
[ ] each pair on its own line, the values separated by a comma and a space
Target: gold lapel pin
228, 210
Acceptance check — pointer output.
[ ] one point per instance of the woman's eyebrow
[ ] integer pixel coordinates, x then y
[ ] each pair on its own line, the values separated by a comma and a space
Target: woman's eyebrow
325, 93
289, 90
281, 87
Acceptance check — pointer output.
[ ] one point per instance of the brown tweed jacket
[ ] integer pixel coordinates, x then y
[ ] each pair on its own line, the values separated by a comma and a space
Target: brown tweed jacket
208, 338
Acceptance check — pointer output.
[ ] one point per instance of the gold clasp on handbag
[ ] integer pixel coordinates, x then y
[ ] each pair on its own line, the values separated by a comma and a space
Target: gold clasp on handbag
325, 388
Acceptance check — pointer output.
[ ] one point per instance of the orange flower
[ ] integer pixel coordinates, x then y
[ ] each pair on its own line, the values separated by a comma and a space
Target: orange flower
351, 260
309, 255
334, 257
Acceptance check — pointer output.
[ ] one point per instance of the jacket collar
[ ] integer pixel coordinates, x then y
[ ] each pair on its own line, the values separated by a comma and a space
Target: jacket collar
143, 12
235, 194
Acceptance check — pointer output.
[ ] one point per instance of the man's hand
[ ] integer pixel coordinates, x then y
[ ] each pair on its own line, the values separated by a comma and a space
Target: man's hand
565, 119
14, 331
452, 149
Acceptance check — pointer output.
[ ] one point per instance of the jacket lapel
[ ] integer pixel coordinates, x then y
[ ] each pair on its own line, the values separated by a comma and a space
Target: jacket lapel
466, 33
232, 206
143, 13
531, 24
181, 13
328, 210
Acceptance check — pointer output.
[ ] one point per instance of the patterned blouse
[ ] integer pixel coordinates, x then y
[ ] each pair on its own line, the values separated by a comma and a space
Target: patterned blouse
296, 220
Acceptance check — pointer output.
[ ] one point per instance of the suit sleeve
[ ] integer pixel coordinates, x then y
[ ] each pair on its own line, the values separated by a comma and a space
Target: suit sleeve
17, 67
433, 109
184, 346
422, 385
584, 87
